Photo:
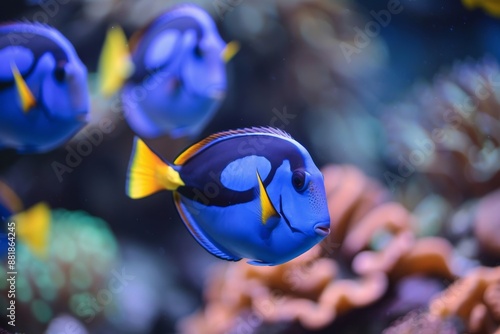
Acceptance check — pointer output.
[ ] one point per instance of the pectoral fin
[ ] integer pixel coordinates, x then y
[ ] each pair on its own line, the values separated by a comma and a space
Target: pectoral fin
267, 208
230, 51
33, 227
26, 97
148, 173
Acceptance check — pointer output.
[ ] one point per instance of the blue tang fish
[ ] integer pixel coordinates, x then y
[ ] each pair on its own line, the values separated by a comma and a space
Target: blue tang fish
176, 76
43, 88
250, 193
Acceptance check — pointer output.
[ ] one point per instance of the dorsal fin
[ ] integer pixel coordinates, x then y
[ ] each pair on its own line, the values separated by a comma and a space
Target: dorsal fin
204, 143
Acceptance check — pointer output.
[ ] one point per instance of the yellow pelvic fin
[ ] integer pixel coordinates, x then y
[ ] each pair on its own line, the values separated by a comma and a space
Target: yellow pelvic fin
230, 51
148, 174
33, 227
267, 207
115, 64
26, 97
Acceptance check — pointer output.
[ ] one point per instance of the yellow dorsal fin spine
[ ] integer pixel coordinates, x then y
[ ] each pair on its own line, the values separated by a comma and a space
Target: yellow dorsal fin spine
33, 227
149, 174
26, 97
267, 207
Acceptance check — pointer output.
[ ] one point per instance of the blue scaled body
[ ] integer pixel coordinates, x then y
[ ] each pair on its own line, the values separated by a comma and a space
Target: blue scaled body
179, 75
44, 98
251, 193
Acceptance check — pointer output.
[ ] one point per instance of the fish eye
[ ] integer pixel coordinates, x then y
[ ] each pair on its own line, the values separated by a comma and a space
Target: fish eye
60, 73
299, 180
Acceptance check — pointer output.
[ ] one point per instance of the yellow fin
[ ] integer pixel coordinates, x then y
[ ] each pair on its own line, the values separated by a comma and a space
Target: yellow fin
28, 101
33, 227
490, 6
230, 51
115, 65
148, 174
268, 209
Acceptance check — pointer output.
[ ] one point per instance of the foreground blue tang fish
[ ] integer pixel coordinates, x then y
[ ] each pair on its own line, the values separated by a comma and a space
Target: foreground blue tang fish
176, 79
44, 97
249, 193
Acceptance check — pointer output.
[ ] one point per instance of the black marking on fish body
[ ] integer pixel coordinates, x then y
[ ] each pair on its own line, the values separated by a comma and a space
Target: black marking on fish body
282, 213
37, 43
202, 172
181, 24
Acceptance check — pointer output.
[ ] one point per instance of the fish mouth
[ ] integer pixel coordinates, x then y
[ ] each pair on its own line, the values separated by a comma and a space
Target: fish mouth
322, 228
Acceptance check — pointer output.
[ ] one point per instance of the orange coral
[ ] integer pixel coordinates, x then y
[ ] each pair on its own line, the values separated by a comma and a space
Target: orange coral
351, 195
474, 299
310, 289
358, 211
304, 289
405, 256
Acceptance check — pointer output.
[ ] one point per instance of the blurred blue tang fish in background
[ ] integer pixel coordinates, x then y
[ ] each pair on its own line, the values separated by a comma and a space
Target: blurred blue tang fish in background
44, 97
175, 79
250, 193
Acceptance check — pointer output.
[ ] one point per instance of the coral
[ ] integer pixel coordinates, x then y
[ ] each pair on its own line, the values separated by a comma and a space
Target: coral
376, 234
308, 33
72, 277
450, 131
351, 195
486, 228
420, 322
474, 298
315, 289
306, 289
406, 256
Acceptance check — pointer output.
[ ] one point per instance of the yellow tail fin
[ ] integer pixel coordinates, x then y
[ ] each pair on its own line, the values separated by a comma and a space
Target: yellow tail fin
115, 65
149, 174
26, 97
33, 227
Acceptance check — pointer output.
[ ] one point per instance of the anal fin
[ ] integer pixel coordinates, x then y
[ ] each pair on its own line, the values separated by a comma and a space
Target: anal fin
259, 263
